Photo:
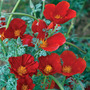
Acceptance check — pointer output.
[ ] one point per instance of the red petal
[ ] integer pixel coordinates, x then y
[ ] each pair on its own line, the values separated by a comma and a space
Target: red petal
48, 12
27, 40
68, 57
15, 62
52, 25
70, 14
54, 42
56, 39
79, 66
61, 8
38, 27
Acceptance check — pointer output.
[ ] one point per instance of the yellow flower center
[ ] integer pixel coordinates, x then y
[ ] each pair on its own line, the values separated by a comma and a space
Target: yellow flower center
67, 69
44, 43
17, 32
48, 69
21, 70
24, 87
58, 17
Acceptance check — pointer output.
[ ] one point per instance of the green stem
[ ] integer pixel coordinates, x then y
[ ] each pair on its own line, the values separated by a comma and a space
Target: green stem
34, 12
23, 14
1, 6
57, 82
53, 31
50, 83
32, 7
64, 80
81, 85
71, 26
16, 5
42, 9
44, 80
3, 47
75, 47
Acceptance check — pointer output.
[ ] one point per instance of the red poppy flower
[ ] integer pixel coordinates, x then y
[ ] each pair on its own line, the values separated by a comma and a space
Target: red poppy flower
72, 65
27, 40
38, 27
52, 43
25, 83
50, 64
16, 28
59, 13
23, 65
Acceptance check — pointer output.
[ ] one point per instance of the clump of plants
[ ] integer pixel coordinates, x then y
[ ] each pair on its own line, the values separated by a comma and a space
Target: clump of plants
39, 52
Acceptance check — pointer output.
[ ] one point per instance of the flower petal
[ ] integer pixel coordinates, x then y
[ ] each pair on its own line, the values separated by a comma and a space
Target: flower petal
48, 12
27, 40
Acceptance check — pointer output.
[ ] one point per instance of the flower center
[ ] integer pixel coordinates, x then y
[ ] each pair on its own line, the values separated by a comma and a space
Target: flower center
21, 70
24, 87
48, 69
67, 69
17, 32
58, 17
44, 43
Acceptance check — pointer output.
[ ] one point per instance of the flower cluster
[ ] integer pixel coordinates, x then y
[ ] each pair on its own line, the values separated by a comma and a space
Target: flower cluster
24, 67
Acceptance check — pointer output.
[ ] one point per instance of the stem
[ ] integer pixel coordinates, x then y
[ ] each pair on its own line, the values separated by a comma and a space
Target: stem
13, 12
71, 26
3, 47
64, 80
81, 85
1, 6
57, 82
44, 80
75, 47
23, 14
32, 7
53, 31
43, 8
50, 83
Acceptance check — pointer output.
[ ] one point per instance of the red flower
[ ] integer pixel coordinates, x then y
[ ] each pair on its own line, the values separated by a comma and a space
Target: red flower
38, 27
53, 42
72, 65
27, 40
59, 13
16, 28
50, 44
25, 83
22, 65
50, 64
